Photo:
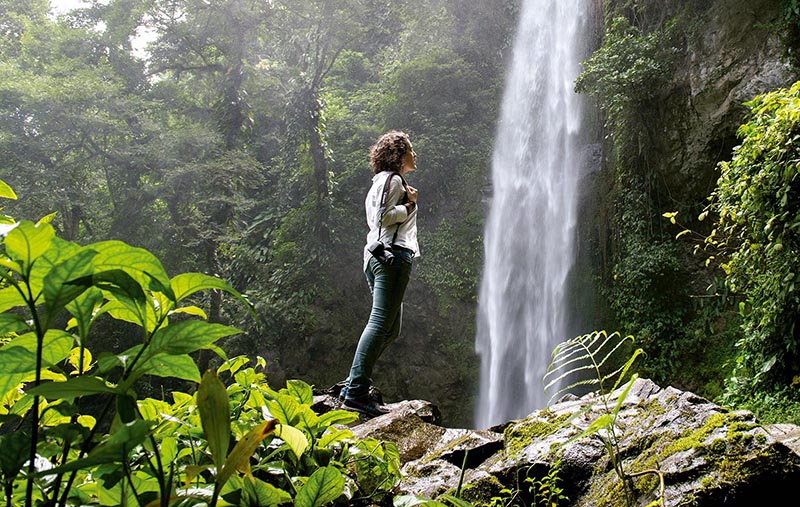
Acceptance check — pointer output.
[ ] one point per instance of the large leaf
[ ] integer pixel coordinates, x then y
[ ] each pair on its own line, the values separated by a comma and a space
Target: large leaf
12, 323
142, 265
113, 450
294, 438
239, 458
186, 284
27, 242
72, 388
188, 336
83, 309
65, 282
125, 289
10, 298
337, 417
59, 252
301, 391
263, 494
169, 366
19, 355
324, 486
215, 416
128, 311
284, 408
14, 453
6, 191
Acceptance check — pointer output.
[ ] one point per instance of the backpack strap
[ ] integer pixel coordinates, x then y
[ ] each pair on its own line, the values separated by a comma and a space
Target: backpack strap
384, 197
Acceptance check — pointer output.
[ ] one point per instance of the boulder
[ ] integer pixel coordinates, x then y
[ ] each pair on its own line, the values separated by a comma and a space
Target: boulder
704, 454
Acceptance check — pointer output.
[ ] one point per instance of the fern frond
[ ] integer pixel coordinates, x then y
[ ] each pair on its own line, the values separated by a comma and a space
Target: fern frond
627, 365
566, 374
589, 352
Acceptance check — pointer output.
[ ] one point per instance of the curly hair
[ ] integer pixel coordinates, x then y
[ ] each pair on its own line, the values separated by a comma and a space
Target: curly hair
388, 150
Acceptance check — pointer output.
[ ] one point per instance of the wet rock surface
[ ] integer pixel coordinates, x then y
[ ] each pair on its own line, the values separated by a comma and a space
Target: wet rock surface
706, 455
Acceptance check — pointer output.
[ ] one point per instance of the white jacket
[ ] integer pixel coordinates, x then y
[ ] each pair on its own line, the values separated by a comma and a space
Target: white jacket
395, 218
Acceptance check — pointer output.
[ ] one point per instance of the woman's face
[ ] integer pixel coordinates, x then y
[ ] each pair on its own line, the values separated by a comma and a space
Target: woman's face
409, 160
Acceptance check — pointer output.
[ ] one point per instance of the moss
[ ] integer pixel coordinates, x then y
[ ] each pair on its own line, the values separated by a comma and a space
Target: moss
518, 436
717, 446
610, 494
646, 483
481, 491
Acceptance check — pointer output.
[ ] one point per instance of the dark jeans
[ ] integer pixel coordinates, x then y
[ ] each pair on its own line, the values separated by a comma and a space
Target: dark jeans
388, 286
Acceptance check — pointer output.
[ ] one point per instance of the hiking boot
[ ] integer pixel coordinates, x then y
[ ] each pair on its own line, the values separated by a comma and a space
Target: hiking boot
366, 406
340, 388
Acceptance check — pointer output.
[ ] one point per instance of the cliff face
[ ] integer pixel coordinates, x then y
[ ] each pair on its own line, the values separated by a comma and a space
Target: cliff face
725, 52
733, 54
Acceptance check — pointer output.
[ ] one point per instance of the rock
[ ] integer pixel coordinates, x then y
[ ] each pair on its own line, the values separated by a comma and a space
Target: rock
706, 455
411, 425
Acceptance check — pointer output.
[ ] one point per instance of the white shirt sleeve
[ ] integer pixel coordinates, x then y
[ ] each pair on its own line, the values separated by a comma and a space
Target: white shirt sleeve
395, 212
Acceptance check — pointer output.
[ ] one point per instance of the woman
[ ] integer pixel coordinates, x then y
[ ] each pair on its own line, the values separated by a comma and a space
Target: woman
395, 224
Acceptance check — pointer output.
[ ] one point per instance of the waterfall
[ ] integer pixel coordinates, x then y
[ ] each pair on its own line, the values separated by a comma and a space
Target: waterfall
529, 243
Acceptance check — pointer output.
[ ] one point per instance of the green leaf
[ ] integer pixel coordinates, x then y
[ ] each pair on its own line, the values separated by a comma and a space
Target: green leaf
72, 388
214, 407
83, 309
10, 265
58, 252
308, 420
12, 323
65, 282
263, 494
19, 355
13, 456
284, 408
324, 486
301, 391
188, 336
27, 242
129, 311
294, 438
172, 366
6, 191
123, 286
191, 310
115, 449
337, 417
10, 298
126, 407
186, 284
140, 264
239, 458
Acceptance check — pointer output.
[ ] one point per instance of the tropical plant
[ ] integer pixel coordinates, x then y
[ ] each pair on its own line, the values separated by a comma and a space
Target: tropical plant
756, 200
74, 432
598, 359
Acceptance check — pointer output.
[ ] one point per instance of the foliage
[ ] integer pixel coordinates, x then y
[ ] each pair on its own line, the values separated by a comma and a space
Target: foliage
789, 29
647, 282
211, 145
84, 437
598, 359
757, 236
627, 73
543, 492
645, 294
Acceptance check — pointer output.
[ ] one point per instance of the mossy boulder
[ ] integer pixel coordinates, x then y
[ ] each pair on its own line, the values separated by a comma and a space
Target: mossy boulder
705, 455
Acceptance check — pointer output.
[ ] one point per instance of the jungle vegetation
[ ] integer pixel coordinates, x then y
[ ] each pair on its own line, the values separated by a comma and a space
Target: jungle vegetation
227, 158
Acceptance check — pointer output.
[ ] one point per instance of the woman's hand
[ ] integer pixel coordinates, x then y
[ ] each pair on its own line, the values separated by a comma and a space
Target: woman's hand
411, 192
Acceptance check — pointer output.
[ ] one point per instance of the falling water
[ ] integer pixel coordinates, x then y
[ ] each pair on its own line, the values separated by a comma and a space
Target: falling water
530, 227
